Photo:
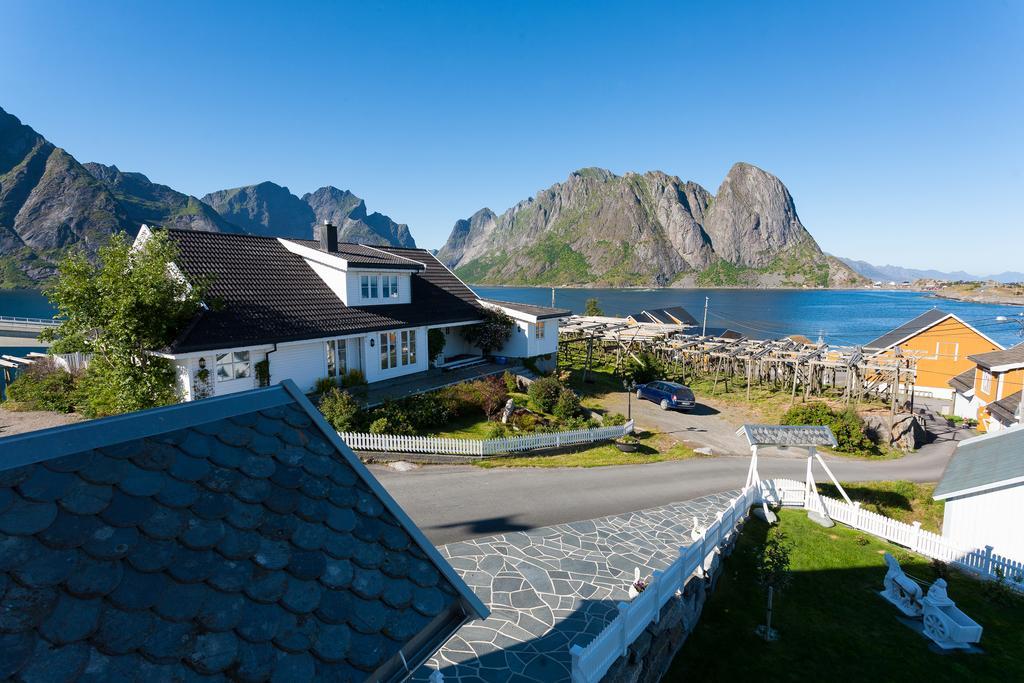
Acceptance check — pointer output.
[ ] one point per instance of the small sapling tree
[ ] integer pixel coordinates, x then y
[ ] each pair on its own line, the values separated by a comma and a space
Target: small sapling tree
773, 573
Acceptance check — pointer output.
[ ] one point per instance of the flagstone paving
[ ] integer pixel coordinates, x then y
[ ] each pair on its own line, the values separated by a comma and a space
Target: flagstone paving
553, 587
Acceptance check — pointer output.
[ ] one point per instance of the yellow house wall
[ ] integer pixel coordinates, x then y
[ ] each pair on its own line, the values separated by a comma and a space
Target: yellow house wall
1013, 380
935, 367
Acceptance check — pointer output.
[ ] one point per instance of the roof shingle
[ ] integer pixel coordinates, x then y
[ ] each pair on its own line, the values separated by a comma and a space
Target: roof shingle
232, 537
983, 462
261, 293
907, 329
1012, 356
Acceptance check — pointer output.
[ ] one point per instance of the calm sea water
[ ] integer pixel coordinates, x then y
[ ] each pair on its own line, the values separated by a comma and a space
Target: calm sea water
841, 317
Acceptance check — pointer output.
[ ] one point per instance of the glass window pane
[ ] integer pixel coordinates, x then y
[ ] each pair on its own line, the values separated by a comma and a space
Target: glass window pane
383, 352
342, 357
405, 348
241, 370
364, 283
241, 356
393, 344
223, 372
412, 347
329, 346
223, 357
373, 287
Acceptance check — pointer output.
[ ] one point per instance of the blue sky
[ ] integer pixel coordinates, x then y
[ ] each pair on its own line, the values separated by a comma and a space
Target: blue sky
896, 126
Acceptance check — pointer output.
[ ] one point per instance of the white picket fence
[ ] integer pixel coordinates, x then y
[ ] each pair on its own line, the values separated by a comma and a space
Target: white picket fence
395, 443
591, 662
983, 561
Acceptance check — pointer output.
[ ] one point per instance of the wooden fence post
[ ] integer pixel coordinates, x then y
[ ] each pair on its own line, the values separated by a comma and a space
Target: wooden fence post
915, 537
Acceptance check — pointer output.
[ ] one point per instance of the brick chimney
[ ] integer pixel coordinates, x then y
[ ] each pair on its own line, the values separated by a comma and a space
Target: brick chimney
328, 237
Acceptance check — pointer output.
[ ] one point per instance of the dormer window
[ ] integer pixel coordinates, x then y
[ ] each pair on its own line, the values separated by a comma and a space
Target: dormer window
368, 284
389, 286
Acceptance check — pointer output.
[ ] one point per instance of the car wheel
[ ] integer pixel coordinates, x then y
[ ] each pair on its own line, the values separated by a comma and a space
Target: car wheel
664, 405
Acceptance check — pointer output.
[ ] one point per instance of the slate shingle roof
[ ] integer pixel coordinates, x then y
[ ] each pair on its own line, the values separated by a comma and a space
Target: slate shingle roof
911, 327
964, 382
995, 359
540, 312
984, 462
233, 537
363, 255
1005, 409
787, 435
261, 293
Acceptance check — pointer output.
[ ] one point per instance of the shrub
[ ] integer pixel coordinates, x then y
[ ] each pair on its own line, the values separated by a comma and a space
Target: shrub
511, 382
262, 373
490, 334
847, 426
113, 385
324, 385
44, 386
496, 430
593, 307
614, 419
568, 405
354, 378
491, 395
436, 341
341, 410
544, 393
644, 367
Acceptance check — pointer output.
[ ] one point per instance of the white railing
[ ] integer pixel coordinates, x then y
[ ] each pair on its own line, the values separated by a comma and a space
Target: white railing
72, 362
17, 321
591, 662
395, 443
983, 561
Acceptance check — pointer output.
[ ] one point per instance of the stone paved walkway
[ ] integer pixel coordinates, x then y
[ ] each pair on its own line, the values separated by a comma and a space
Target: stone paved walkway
552, 587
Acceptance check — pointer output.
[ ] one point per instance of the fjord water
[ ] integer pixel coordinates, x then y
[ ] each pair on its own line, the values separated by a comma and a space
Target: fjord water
841, 316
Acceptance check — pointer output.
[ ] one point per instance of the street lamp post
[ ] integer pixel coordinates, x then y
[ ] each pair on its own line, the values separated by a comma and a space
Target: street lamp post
630, 387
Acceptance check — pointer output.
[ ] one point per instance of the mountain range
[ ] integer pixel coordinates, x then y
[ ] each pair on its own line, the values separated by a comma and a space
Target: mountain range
900, 274
650, 229
50, 203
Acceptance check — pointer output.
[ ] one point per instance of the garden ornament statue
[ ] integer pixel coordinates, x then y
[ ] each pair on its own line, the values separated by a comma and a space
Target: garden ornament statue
945, 623
901, 590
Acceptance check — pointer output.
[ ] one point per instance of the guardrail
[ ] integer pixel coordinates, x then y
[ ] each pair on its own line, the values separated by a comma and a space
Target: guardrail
45, 322
591, 662
395, 443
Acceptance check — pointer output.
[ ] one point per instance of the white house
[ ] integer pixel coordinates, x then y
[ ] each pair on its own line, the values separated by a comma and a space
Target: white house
306, 309
983, 487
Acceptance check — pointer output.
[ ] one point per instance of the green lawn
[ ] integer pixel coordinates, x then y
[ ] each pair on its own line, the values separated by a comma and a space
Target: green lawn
654, 447
832, 622
466, 427
902, 500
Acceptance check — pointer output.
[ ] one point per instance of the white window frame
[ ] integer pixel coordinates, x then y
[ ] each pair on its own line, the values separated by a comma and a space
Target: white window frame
397, 349
389, 286
337, 358
986, 381
238, 364
369, 287
938, 350
539, 330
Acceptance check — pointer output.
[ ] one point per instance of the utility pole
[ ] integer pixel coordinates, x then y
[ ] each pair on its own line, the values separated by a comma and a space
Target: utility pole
704, 329
552, 297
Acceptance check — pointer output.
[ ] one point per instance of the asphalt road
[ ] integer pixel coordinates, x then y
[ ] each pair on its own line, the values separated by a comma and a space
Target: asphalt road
452, 503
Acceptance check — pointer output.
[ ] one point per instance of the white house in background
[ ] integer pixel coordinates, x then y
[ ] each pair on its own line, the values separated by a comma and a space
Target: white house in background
983, 487
308, 309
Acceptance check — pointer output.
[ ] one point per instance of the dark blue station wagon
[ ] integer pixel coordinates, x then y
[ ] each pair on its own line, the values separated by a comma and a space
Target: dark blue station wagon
669, 395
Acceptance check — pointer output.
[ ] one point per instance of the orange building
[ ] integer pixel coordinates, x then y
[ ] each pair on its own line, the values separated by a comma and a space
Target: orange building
941, 343
998, 381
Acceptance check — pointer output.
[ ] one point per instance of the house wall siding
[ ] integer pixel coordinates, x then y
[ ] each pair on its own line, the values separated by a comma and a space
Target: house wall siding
987, 518
935, 367
303, 363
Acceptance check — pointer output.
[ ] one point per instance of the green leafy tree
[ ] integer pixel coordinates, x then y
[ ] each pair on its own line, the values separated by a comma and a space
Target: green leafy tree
593, 307
490, 334
436, 342
773, 573
120, 309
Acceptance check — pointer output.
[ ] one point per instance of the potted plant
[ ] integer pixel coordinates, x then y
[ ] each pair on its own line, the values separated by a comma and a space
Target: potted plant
627, 443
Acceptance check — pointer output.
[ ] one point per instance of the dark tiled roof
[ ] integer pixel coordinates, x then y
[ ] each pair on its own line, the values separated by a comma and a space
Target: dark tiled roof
541, 312
983, 462
363, 255
234, 537
963, 382
664, 316
1005, 409
907, 329
994, 359
261, 293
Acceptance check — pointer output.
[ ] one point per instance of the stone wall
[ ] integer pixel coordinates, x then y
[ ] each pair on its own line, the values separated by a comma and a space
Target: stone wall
651, 655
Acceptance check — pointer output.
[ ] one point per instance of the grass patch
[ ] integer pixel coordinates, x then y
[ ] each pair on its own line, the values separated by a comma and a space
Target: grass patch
654, 447
466, 427
831, 618
904, 501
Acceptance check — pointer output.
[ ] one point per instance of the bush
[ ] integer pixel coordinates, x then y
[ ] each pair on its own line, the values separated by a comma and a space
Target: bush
436, 341
847, 426
380, 426
496, 430
492, 333
354, 378
544, 393
614, 419
324, 385
644, 367
44, 386
111, 386
394, 418
341, 410
568, 405
511, 382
